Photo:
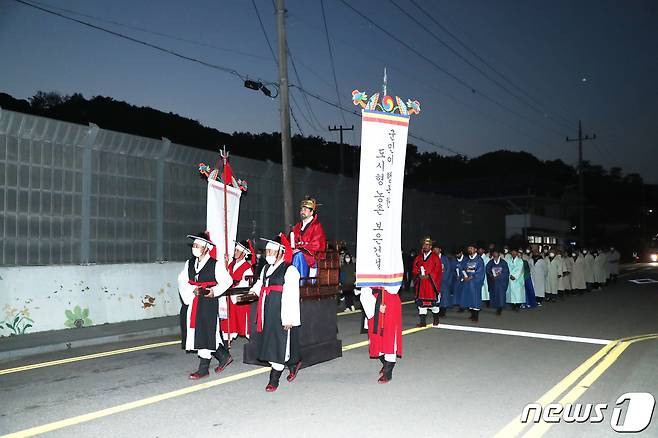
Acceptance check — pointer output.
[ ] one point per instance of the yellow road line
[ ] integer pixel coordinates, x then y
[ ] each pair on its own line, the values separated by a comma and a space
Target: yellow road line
158, 398
86, 357
115, 352
607, 355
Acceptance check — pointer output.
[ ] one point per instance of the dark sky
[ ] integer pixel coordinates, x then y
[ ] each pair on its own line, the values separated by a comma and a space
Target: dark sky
565, 60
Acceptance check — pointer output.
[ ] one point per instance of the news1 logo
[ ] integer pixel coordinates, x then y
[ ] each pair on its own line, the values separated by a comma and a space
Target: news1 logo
638, 412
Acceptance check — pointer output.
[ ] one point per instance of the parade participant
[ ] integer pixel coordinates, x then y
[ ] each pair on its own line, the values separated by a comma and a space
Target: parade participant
447, 283
458, 282
485, 284
515, 290
473, 273
278, 312
383, 310
498, 275
308, 239
565, 281
578, 272
613, 264
347, 281
539, 276
201, 283
241, 270
600, 268
506, 254
427, 272
530, 298
588, 268
553, 276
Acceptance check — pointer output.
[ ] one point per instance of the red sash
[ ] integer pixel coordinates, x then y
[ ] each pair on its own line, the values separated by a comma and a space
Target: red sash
264, 292
195, 302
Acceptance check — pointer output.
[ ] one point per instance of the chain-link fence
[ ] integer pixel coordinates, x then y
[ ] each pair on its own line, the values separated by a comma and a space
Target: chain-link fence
80, 194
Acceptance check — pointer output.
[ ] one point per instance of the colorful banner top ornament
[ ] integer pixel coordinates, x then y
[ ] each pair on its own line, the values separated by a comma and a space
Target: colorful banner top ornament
388, 104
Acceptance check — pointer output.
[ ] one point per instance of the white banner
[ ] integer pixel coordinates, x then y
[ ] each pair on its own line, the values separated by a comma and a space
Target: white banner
215, 216
383, 153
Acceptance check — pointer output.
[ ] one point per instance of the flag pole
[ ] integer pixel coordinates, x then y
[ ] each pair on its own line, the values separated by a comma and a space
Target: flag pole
224, 156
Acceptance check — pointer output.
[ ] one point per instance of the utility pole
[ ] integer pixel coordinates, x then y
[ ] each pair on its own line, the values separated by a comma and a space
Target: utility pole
286, 144
342, 150
581, 181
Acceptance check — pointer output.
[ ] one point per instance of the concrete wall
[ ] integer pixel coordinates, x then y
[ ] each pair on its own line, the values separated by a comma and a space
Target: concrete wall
40, 298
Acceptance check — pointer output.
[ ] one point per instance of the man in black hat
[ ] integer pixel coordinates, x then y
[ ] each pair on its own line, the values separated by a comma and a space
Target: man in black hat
201, 283
278, 315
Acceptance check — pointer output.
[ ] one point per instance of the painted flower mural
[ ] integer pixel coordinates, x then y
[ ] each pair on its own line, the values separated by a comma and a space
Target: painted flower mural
77, 317
16, 321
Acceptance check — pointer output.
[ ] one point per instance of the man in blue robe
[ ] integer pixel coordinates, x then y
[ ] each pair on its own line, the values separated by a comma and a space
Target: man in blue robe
473, 280
498, 276
447, 282
458, 278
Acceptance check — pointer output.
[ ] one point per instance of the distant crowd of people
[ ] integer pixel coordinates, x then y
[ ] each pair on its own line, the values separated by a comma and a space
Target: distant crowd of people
477, 277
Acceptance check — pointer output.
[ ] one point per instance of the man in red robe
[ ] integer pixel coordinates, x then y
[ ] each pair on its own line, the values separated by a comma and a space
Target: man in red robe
240, 269
308, 239
427, 270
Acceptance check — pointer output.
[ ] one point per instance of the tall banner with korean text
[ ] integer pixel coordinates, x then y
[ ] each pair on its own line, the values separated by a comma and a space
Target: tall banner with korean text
379, 223
215, 216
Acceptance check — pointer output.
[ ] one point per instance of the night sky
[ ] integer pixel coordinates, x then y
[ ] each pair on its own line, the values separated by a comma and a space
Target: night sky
593, 60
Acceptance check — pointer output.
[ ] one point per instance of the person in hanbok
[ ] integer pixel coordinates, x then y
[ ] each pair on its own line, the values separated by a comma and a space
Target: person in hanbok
202, 284
427, 272
498, 276
458, 279
553, 277
516, 288
278, 314
578, 272
241, 270
447, 282
600, 268
473, 274
588, 270
539, 275
564, 287
613, 261
308, 239
530, 298
485, 285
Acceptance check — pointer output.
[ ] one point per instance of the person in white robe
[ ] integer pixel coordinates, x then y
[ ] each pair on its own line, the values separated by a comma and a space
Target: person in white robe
201, 285
278, 312
553, 276
539, 276
565, 281
578, 272
588, 268
600, 268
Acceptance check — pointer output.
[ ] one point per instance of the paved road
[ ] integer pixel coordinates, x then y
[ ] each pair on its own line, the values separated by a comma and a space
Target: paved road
450, 382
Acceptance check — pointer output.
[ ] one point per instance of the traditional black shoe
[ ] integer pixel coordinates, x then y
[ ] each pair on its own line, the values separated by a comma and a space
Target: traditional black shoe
422, 320
381, 371
461, 310
499, 311
435, 321
219, 368
476, 315
442, 312
387, 375
274, 380
488, 303
293, 371
202, 372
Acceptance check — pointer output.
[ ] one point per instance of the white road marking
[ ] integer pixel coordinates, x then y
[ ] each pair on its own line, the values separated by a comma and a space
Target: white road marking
524, 334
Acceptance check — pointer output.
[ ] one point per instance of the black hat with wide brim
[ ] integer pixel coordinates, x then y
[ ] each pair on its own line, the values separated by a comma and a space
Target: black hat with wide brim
203, 236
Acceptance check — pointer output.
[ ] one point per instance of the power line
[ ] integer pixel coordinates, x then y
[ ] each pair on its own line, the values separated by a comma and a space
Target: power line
569, 123
267, 39
467, 61
222, 68
443, 70
331, 58
152, 32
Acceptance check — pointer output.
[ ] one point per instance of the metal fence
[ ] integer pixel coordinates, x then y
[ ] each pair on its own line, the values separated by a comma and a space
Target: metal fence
77, 194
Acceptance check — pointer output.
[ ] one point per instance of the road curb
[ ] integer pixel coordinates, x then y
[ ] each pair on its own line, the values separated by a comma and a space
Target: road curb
21, 353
